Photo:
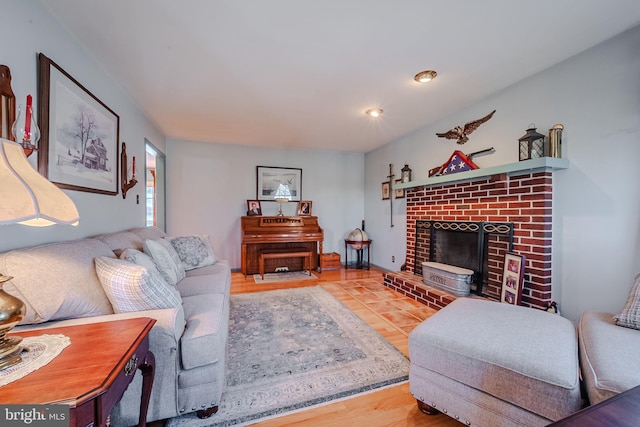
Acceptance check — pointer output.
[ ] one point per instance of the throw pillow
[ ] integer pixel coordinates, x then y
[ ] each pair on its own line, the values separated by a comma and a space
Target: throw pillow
194, 251
174, 256
140, 258
132, 287
630, 316
171, 272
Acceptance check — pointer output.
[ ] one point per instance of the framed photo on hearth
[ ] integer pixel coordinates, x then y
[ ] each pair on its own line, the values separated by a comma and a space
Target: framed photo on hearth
512, 278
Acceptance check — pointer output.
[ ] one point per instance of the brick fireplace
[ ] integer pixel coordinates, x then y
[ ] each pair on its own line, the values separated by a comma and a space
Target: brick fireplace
522, 198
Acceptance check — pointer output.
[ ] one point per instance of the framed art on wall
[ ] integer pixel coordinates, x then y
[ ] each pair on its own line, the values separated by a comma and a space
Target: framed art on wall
79, 133
270, 179
512, 278
399, 192
386, 190
254, 207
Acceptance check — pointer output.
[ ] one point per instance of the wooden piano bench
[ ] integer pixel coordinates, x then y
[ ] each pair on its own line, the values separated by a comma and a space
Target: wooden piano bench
287, 253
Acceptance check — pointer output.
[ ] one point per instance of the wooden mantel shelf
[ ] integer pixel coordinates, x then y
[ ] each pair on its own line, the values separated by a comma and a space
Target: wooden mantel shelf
543, 163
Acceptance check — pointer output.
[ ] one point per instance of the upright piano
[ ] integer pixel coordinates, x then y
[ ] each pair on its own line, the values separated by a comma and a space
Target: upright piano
264, 233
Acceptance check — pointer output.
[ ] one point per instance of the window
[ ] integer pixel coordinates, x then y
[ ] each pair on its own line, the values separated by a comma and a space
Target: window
155, 186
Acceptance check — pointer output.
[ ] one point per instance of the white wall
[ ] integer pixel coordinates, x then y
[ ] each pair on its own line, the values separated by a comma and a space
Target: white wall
595, 95
26, 30
208, 185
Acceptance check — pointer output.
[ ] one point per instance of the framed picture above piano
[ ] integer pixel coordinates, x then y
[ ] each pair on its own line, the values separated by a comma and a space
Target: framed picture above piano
272, 180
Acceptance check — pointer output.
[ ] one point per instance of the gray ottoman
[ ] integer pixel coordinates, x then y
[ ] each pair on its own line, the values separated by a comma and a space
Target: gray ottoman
490, 364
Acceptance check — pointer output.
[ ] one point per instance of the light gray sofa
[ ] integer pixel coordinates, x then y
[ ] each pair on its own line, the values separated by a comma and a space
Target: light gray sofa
609, 356
59, 285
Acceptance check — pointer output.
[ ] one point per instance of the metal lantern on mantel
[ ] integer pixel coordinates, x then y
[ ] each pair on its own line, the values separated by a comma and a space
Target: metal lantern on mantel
531, 145
405, 174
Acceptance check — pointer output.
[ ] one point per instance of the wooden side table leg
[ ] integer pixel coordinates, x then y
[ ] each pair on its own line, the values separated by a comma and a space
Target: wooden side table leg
147, 368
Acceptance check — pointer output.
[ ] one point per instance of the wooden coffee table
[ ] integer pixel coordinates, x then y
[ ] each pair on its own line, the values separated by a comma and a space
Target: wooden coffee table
621, 410
92, 373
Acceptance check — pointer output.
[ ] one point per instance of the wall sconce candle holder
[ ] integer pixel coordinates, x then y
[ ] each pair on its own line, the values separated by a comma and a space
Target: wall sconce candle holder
25, 130
125, 183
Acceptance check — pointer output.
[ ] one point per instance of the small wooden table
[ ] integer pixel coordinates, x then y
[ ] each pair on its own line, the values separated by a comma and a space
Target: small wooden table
622, 410
92, 373
359, 247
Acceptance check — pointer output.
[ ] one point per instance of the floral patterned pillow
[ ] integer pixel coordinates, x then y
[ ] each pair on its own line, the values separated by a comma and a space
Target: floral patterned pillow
630, 316
194, 251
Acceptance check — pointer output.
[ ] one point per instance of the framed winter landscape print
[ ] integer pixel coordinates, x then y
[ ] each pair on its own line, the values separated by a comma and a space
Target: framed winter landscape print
512, 278
79, 133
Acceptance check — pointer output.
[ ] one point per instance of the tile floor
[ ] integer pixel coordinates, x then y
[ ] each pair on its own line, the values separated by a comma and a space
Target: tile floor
403, 312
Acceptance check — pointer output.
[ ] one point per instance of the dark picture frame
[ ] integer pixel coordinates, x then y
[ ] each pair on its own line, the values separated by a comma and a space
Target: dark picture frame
304, 208
512, 278
386, 190
268, 178
254, 208
78, 148
399, 192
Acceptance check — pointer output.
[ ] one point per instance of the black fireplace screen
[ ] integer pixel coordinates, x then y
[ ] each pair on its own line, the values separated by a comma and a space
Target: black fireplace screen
478, 246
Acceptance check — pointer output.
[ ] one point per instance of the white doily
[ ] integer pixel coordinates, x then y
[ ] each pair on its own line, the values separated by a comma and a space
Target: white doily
37, 352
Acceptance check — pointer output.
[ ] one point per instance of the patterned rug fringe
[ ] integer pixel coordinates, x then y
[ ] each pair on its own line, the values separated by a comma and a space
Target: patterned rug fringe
283, 277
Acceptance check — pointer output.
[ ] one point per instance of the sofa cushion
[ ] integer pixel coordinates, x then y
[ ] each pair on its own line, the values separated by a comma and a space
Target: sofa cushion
608, 356
194, 251
630, 316
214, 278
144, 233
171, 271
204, 339
120, 241
132, 287
73, 291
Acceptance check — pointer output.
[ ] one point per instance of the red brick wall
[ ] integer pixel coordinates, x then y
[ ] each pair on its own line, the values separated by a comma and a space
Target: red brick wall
525, 200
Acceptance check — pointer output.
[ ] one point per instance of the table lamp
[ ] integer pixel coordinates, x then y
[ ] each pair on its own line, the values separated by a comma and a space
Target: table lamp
283, 195
27, 198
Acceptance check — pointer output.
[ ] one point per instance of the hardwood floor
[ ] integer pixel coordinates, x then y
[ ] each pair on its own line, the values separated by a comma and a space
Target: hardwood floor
393, 315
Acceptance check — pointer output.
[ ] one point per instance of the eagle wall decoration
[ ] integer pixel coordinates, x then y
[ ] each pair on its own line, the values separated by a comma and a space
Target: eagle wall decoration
462, 135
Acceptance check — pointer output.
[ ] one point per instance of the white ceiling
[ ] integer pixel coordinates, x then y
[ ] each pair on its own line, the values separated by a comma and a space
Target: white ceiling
301, 73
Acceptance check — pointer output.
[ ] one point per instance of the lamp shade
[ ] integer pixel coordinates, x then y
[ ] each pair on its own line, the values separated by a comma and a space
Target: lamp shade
283, 194
28, 198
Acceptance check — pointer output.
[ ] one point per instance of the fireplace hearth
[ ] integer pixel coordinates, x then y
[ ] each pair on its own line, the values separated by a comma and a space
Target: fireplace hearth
477, 246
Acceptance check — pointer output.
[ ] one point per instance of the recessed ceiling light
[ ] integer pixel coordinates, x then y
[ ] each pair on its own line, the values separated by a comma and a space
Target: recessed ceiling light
374, 112
425, 76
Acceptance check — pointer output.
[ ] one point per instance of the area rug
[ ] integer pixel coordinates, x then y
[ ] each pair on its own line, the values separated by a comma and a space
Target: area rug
283, 277
292, 349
